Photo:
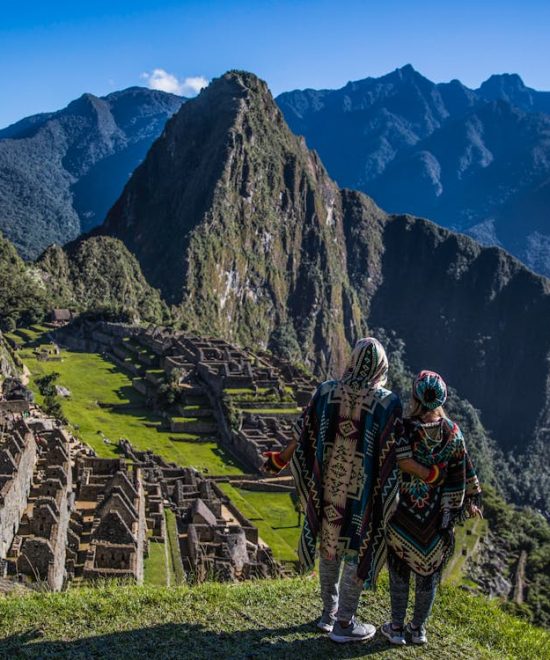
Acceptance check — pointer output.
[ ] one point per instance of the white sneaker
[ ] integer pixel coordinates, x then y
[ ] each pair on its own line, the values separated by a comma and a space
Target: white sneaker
393, 635
355, 632
418, 635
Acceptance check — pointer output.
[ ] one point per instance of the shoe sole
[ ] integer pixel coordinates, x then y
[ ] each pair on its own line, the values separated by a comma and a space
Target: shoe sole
346, 640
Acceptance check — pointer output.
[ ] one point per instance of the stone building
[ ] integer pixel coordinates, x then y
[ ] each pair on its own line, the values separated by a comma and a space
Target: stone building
215, 539
18, 453
39, 549
111, 507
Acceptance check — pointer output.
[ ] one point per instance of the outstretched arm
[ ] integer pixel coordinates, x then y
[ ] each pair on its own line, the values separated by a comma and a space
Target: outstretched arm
278, 460
413, 467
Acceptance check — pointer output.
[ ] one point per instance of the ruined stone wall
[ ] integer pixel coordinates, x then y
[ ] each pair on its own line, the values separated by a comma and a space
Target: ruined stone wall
14, 491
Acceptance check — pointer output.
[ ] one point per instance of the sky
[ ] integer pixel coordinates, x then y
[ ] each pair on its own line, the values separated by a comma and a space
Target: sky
54, 51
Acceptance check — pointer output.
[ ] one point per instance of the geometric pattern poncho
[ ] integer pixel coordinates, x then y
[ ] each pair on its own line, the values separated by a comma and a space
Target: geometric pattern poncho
344, 465
421, 531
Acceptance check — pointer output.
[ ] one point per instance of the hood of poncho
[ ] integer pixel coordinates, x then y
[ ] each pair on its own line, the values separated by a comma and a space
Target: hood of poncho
367, 366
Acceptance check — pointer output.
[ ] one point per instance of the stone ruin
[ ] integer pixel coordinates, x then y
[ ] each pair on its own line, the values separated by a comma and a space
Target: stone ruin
66, 514
109, 520
215, 540
247, 401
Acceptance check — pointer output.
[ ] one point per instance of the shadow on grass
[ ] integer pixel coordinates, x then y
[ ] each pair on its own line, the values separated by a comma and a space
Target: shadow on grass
193, 641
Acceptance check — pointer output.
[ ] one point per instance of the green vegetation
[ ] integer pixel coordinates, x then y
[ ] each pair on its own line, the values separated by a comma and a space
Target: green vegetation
23, 297
104, 406
97, 274
272, 411
275, 516
467, 536
518, 529
155, 569
177, 576
263, 619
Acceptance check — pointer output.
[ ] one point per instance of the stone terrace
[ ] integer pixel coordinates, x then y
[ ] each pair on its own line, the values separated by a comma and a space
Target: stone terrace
247, 401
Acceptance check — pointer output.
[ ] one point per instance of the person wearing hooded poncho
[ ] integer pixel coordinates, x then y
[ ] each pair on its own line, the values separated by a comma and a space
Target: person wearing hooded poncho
420, 533
343, 463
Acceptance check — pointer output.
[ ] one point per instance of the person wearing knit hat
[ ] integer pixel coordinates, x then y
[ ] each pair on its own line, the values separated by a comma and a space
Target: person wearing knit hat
420, 534
342, 457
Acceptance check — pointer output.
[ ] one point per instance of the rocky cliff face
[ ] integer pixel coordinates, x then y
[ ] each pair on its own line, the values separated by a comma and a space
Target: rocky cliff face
247, 226
239, 225
60, 172
476, 161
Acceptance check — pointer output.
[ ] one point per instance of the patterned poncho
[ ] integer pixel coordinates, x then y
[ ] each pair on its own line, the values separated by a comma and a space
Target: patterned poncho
344, 464
421, 529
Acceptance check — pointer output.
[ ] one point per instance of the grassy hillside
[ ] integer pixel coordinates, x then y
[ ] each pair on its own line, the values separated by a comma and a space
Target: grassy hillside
272, 619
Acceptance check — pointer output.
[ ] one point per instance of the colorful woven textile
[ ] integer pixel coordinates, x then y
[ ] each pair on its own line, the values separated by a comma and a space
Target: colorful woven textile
421, 529
344, 464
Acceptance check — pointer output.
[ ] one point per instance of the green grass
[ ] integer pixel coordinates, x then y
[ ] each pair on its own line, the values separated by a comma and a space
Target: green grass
274, 516
478, 528
264, 619
177, 576
155, 565
94, 380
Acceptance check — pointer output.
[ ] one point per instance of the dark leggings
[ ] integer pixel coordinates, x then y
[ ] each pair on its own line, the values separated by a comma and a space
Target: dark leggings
426, 587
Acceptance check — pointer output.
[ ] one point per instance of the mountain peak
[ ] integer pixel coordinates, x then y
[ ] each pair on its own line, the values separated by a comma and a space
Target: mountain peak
503, 81
406, 73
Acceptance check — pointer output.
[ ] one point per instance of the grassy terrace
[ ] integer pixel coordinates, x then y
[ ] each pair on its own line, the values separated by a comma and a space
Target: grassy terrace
155, 569
103, 404
466, 537
273, 514
263, 619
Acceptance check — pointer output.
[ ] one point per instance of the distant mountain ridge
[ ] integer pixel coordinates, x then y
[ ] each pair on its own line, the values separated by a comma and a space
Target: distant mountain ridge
60, 172
476, 161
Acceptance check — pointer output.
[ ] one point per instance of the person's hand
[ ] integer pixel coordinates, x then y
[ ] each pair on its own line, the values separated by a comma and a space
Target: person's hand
474, 510
274, 462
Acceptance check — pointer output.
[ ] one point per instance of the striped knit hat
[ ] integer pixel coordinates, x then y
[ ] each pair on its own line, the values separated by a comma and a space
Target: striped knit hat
430, 389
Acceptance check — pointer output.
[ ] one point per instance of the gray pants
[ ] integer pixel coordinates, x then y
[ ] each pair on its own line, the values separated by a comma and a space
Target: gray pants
340, 593
425, 589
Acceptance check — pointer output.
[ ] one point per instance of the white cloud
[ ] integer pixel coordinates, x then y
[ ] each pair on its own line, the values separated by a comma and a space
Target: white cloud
168, 82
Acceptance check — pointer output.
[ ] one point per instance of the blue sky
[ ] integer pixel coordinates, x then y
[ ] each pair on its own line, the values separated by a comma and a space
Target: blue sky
52, 52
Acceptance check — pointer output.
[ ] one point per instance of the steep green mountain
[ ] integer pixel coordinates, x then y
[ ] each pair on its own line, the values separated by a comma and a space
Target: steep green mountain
476, 161
239, 224
99, 275
60, 172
